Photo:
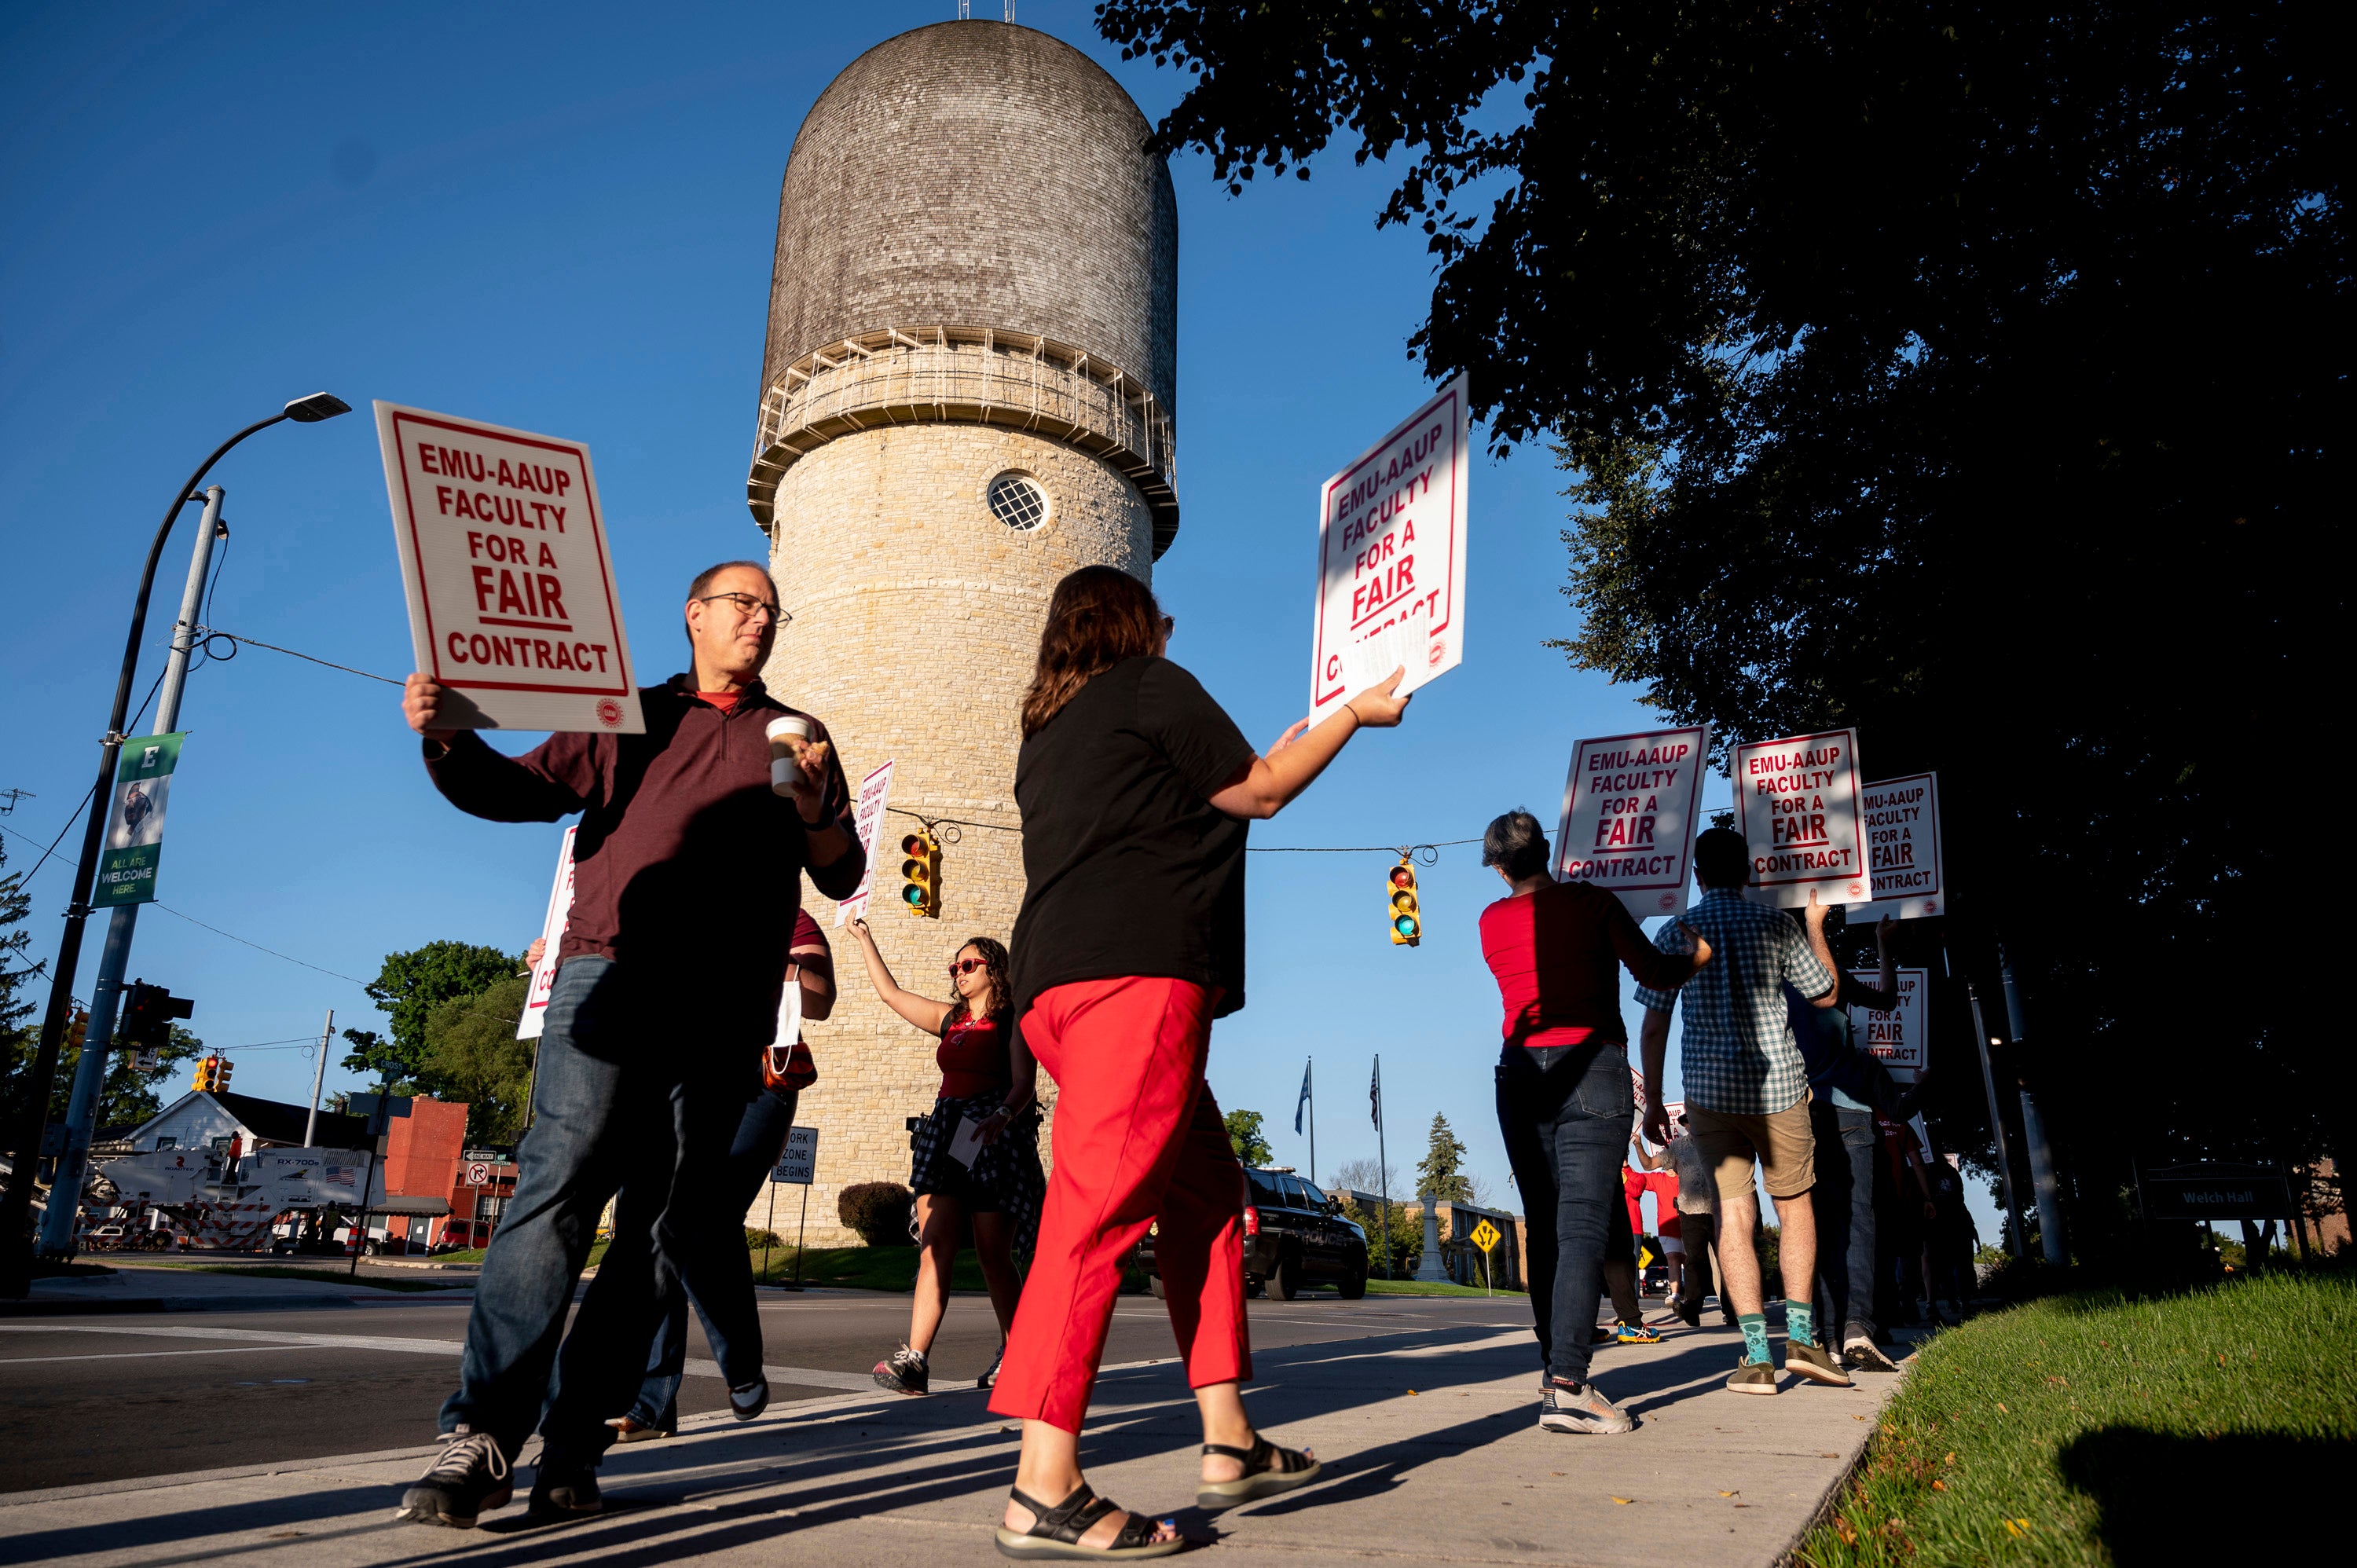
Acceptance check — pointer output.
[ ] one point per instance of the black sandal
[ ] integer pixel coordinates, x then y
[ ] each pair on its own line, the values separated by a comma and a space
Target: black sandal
1269, 1470
1057, 1531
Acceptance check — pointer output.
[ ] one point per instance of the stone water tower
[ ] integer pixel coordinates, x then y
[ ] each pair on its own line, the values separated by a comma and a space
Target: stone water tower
969, 390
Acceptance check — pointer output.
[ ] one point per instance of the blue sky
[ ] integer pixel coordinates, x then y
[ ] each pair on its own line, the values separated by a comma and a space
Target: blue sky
560, 218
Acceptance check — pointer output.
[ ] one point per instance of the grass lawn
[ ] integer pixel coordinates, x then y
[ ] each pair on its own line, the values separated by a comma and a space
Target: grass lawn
1413, 1287
862, 1268
2101, 1429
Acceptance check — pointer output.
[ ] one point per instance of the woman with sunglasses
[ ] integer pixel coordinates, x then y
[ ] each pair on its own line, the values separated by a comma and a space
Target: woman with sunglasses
1137, 790
986, 1081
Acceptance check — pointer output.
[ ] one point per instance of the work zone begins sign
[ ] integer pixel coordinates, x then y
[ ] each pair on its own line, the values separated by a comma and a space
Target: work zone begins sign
1901, 817
511, 600
1628, 816
1900, 1037
1796, 803
797, 1161
1390, 558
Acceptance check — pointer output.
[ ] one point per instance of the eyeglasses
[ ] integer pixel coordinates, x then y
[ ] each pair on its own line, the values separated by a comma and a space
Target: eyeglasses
747, 606
1169, 625
967, 966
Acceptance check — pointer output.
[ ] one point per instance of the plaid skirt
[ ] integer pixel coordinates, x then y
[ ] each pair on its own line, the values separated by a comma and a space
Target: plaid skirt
1006, 1174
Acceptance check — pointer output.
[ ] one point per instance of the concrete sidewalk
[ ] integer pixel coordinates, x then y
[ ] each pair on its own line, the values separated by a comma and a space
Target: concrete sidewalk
1429, 1436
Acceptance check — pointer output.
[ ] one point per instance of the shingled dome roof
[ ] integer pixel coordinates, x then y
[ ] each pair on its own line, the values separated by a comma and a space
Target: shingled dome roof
983, 175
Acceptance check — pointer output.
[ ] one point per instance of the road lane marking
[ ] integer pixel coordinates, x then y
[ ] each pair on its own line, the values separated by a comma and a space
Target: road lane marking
137, 1355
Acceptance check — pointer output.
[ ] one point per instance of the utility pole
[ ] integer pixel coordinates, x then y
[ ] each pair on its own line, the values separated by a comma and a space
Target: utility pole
2042, 1185
1997, 1126
59, 1221
1382, 1170
319, 1078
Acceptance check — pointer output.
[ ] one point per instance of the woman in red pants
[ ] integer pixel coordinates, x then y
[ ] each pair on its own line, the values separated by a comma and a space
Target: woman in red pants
1136, 792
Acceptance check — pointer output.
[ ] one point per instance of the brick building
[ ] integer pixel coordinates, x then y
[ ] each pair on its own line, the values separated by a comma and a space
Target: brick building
968, 390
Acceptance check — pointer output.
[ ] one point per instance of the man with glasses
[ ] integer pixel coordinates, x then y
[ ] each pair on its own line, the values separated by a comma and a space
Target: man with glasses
686, 884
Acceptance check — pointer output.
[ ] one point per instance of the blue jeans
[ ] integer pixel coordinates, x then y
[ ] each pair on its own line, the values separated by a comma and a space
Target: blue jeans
1567, 1130
1847, 1145
608, 1105
760, 1138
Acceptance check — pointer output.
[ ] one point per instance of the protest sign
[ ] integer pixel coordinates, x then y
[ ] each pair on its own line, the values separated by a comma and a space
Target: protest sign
1390, 558
1628, 816
134, 823
511, 602
1796, 803
1902, 848
1899, 1038
868, 821
552, 937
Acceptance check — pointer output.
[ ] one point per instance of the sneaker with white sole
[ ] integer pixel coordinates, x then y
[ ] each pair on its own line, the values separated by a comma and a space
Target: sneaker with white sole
562, 1490
467, 1480
1753, 1378
906, 1371
749, 1399
990, 1376
1862, 1353
1817, 1364
1578, 1408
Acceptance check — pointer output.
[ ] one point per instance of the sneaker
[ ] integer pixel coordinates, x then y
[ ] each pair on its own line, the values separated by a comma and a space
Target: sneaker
630, 1429
1817, 1364
1753, 1378
470, 1477
1636, 1333
1862, 1353
990, 1376
1605, 1337
749, 1399
561, 1490
1689, 1313
1569, 1407
906, 1372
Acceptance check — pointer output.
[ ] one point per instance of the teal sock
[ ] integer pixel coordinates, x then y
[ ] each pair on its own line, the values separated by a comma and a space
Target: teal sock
1799, 1323
1755, 1337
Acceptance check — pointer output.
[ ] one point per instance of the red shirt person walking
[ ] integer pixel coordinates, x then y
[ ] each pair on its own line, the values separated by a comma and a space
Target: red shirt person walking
1137, 790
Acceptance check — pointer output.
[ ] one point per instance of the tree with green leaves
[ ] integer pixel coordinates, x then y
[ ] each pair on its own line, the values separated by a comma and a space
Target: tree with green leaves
1244, 1135
1441, 1173
20, 1035
473, 1054
408, 988
1943, 370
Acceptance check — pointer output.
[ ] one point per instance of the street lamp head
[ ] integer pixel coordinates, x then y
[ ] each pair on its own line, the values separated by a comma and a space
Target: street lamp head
316, 407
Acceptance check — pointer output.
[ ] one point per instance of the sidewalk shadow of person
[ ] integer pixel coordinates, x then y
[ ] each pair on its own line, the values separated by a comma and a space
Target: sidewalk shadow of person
2140, 1481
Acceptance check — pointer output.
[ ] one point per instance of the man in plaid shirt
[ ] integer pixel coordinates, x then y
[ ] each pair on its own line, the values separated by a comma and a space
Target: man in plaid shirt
1746, 1095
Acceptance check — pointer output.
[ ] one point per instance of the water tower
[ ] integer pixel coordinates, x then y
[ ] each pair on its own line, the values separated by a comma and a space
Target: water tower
969, 390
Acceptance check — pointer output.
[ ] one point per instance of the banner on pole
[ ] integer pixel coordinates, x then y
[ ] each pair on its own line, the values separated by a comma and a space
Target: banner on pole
513, 608
867, 822
1899, 1038
552, 937
1796, 803
1391, 557
1901, 817
1628, 816
134, 823
798, 1162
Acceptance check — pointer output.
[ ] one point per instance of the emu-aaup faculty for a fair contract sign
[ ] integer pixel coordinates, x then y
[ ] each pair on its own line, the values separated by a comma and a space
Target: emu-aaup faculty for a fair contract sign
1628, 816
1390, 558
1796, 804
511, 600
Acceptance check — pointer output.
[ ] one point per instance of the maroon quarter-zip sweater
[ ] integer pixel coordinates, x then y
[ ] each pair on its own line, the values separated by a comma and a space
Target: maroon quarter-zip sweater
687, 871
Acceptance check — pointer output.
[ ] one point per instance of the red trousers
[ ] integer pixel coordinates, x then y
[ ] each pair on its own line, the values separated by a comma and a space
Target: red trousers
1138, 1139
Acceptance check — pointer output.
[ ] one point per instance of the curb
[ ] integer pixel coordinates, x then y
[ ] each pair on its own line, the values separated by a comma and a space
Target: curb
114, 1306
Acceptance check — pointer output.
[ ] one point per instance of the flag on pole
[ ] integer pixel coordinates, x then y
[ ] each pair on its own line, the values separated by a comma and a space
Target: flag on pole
1301, 1103
1375, 1095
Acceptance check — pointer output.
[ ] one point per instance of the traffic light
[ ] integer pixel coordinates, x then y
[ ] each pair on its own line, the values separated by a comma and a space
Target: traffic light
921, 874
212, 1073
1406, 914
147, 1014
78, 1030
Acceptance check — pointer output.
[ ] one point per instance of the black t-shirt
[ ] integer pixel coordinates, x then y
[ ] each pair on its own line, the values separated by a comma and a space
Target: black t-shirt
1128, 869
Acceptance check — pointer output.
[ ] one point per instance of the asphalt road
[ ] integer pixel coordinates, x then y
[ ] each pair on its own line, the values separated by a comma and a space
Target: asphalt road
91, 1399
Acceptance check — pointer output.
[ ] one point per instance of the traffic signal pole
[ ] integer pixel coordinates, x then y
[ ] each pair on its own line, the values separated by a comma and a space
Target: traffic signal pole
58, 1221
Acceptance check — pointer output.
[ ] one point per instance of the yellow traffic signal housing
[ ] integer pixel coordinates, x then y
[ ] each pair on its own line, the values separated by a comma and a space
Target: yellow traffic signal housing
921, 874
1407, 913
78, 1030
209, 1074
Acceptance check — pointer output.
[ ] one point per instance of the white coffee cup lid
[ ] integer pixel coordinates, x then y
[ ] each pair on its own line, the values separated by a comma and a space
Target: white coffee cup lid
790, 724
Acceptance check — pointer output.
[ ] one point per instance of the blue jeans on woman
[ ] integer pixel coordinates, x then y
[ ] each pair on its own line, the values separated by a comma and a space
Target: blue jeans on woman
1566, 1127
611, 1106
760, 1138
1847, 1151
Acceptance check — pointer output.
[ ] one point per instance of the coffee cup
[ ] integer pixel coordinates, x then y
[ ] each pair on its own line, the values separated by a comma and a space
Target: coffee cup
788, 734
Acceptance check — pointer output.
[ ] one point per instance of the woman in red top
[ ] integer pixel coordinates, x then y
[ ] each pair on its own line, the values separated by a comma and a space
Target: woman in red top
1565, 1097
1136, 792
986, 1081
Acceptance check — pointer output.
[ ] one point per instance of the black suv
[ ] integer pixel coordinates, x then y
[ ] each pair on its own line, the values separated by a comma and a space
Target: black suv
1294, 1236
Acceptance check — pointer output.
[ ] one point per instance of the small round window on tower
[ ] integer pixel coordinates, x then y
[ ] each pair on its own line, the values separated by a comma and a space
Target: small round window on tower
1017, 501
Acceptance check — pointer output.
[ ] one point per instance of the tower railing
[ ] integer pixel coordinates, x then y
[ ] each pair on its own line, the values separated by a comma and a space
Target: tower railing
966, 375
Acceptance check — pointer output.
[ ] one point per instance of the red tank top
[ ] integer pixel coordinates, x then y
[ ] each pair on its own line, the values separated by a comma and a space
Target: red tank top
972, 1059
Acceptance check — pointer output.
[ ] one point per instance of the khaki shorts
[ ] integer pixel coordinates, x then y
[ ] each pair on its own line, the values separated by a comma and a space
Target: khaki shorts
1784, 1143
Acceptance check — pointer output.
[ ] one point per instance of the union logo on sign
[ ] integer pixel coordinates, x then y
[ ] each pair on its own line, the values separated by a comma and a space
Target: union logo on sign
609, 712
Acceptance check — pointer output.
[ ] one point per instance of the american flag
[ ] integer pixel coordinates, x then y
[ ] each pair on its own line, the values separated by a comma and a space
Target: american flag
1375, 1094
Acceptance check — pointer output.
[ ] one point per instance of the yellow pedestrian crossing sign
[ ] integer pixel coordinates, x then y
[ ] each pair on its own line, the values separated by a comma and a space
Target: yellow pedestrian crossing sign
1485, 1236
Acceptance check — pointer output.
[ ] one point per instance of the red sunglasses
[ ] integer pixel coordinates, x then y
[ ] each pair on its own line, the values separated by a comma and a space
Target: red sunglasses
967, 966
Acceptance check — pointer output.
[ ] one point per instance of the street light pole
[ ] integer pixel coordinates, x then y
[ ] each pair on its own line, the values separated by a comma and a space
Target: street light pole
16, 1201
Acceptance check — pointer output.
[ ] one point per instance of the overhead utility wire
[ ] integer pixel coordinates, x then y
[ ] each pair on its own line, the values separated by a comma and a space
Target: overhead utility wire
1416, 849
